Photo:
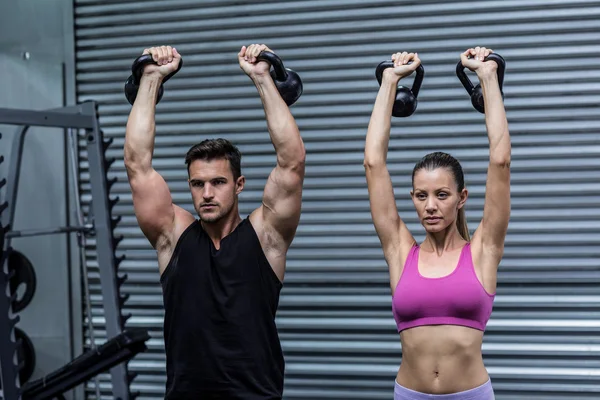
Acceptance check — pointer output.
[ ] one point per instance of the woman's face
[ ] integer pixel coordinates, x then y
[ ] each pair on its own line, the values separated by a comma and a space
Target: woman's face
436, 198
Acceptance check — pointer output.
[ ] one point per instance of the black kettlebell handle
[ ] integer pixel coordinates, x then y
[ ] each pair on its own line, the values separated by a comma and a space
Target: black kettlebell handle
476, 90
288, 82
405, 103
137, 68
420, 72
281, 73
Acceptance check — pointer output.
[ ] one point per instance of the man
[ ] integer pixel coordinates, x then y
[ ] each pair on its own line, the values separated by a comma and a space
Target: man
221, 275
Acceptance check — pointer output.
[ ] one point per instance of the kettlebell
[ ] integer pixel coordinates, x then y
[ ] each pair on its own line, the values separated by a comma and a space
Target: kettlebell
406, 99
476, 92
137, 69
288, 82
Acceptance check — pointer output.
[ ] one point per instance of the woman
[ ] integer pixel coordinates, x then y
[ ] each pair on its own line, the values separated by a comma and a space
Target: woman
442, 289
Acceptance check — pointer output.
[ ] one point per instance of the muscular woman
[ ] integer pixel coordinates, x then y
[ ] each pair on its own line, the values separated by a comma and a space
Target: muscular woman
443, 288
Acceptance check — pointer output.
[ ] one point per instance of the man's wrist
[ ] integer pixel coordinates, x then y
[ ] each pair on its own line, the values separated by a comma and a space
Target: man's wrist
261, 79
152, 78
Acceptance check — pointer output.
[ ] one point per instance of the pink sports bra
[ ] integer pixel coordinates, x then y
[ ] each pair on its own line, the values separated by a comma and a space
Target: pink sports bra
455, 299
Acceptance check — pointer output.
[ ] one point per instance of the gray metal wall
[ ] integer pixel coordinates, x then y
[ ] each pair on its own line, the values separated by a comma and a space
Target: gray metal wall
34, 53
335, 317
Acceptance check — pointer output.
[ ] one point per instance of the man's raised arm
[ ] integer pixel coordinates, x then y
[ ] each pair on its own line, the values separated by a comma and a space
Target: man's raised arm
152, 200
277, 219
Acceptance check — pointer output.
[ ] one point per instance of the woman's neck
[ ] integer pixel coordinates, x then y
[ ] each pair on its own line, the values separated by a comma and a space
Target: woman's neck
439, 242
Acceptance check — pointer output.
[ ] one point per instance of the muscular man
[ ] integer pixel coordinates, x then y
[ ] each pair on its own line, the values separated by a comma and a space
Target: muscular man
221, 275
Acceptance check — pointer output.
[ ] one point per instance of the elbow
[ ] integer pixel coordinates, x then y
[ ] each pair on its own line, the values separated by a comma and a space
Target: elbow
301, 156
134, 163
374, 157
370, 163
501, 161
500, 150
132, 168
298, 164
129, 160
295, 160
293, 157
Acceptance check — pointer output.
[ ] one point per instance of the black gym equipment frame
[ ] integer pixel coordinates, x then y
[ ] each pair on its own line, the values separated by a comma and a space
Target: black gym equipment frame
83, 116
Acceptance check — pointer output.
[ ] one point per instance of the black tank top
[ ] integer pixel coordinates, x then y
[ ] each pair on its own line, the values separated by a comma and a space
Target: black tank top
221, 341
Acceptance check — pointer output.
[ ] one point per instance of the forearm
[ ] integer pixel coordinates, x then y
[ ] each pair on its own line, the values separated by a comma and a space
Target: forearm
378, 133
140, 132
281, 124
495, 119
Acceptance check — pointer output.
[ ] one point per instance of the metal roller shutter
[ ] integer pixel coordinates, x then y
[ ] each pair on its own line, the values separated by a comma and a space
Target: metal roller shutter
335, 317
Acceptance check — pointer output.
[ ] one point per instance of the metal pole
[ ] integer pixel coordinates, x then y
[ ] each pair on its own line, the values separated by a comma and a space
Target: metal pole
82, 243
57, 118
49, 231
8, 369
105, 245
12, 184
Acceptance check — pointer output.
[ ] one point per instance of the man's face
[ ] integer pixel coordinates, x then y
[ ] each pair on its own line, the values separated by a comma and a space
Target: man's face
214, 190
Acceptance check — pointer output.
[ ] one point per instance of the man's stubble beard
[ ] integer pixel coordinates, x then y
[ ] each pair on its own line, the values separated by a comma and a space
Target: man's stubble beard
216, 218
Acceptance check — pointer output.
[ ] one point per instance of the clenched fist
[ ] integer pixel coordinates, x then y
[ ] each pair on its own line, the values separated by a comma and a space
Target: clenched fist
476, 63
249, 63
166, 57
402, 68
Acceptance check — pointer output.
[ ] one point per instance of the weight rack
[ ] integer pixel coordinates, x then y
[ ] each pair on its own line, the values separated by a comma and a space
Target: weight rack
83, 116
8, 347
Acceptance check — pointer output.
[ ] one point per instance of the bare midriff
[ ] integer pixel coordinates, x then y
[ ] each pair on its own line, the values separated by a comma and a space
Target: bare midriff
441, 359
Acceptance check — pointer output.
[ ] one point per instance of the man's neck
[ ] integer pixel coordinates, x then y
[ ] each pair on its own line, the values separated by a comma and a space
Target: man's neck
223, 227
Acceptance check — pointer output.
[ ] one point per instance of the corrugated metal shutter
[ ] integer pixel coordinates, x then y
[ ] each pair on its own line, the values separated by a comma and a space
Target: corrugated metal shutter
335, 318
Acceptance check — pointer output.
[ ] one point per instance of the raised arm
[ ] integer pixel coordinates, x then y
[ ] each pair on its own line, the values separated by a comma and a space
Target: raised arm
152, 200
491, 232
276, 220
394, 236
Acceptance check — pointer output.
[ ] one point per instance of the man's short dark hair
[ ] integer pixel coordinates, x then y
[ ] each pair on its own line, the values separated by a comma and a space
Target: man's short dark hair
212, 149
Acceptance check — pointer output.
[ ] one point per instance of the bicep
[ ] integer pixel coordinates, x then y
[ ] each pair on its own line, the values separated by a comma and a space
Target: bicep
282, 201
153, 204
391, 230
